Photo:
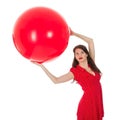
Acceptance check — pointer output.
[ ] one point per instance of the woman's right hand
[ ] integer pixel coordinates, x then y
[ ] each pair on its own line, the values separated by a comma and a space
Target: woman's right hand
71, 32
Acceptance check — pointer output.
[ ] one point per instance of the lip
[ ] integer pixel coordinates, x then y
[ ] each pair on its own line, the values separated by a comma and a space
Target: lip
80, 58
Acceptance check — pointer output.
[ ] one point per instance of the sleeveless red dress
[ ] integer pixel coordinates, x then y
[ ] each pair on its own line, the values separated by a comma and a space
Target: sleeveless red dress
91, 104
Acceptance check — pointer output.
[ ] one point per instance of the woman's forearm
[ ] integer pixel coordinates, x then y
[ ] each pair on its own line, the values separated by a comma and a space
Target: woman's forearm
83, 37
63, 78
51, 76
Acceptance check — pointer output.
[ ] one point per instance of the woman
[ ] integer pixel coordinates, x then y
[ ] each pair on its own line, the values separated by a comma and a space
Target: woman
87, 74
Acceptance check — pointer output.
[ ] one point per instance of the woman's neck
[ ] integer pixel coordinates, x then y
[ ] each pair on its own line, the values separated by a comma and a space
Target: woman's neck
84, 64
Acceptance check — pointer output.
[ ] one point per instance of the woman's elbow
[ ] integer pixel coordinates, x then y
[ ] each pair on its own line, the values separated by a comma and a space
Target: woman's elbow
58, 80
55, 80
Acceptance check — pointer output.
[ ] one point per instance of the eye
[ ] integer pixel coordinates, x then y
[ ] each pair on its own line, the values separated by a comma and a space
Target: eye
76, 53
82, 52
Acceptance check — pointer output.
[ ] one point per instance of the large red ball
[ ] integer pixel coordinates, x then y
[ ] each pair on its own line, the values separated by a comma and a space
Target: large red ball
41, 34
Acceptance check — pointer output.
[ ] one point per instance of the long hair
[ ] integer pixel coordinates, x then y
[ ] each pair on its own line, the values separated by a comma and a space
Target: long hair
89, 59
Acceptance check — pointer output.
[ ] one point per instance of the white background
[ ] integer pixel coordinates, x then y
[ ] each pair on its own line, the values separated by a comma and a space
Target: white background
26, 93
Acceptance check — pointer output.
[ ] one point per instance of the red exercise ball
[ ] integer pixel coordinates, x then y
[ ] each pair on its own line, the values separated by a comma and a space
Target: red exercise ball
41, 34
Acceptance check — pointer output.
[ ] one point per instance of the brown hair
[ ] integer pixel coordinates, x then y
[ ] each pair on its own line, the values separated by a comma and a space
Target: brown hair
89, 59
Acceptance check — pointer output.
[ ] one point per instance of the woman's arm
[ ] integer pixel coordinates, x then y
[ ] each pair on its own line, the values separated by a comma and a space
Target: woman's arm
89, 41
64, 78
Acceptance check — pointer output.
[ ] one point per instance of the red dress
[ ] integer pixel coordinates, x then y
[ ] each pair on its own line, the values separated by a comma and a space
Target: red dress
91, 104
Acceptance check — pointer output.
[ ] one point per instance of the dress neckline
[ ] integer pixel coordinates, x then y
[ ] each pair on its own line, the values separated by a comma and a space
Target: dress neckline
83, 69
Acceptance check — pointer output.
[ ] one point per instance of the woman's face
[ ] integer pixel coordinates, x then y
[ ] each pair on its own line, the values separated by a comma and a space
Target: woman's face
80, 55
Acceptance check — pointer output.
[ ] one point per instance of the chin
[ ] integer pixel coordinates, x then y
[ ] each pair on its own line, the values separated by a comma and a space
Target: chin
81, 61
